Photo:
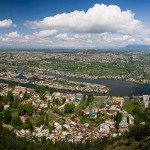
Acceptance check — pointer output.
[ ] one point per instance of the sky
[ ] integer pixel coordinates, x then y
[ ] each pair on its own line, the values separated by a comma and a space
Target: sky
74, 23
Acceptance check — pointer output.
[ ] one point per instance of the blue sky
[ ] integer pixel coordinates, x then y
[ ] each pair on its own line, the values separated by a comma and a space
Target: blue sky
16, 14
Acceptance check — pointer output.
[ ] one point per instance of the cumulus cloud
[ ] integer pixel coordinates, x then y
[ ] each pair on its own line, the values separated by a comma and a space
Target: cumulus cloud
100, 26
116, 40
72, 40
6, 23
45, 33
12, 35
98, 19
63, 37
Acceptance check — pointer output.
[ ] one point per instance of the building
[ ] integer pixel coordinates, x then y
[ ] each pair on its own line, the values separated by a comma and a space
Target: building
127, 119
19, 90
146, 100
107, 129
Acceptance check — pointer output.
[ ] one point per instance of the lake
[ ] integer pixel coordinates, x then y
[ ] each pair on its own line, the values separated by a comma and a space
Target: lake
116, 87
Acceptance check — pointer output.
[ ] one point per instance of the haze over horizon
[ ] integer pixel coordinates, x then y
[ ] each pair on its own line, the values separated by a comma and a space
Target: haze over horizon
70, 24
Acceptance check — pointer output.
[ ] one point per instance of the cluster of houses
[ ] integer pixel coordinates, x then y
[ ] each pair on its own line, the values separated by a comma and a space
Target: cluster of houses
72, 129
75, 131
108, 129
111, 108
17, 90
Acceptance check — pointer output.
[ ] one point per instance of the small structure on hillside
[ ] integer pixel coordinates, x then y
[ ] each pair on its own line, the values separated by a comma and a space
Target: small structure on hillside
146, 100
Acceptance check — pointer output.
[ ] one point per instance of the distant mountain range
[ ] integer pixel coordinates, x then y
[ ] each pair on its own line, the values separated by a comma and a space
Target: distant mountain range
136, 47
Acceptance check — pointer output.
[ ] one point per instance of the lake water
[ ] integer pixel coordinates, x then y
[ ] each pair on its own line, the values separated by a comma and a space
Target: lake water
116, 87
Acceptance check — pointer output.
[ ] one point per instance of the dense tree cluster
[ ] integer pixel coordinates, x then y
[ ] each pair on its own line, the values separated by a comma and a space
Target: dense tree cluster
117, 119
69, 108
8, 140
25, 109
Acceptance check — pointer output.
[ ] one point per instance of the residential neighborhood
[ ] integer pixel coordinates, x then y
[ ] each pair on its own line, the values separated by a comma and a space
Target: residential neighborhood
65, 116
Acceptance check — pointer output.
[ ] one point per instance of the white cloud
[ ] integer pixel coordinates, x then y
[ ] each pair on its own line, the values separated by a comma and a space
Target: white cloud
45, 33
72, 40
98, 19
117, 40
6, 23
100, 26
12, 35
63, 37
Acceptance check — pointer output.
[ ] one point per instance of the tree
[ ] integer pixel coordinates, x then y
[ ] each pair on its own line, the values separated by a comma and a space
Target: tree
46, 120
1, 120
90, 98
26, 96
10, 96
147, 114
11, 83
64, 100
139, 132
25, 109
16, 121
1, 98
56, 102
1, 106
118, 119
51, 91
40, 121
14, 104
40, 89
7, 116
50, 128
28, 125
69, 108
42, 97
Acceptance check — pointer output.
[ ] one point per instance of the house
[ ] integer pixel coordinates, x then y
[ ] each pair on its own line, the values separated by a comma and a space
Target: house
85, 111
127, 119
48, 97
72, 123
24, 118
117, 101
94, 109
69, 98
104, 130
77, 138
113, 110
57, 95
40, 132
23, 133
86, 125
92, 115
78, 97
103, 111
123, 126
57, 126
66, 126
69, 137
146, 100
107, 129
5, 91
19, 90
6, 107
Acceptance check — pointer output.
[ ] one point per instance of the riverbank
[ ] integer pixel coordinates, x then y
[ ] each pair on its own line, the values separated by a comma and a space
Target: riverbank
116, 87
85, 76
